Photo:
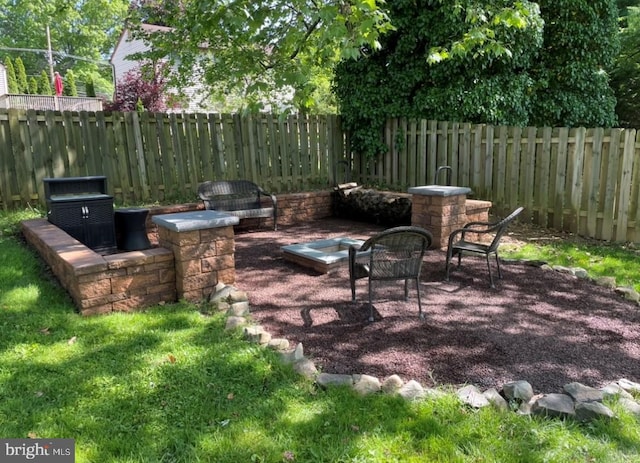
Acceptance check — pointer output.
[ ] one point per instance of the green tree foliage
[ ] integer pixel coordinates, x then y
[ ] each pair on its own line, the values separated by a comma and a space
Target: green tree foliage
496, 62
580, 45
44, 84
624, 7
90, 88
21, 76
84, 28
254, 46
625, 76
33, 86
12, 80
70, 88
446, 60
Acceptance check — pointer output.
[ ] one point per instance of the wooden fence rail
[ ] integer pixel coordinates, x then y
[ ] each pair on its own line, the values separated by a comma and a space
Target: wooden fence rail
586, 181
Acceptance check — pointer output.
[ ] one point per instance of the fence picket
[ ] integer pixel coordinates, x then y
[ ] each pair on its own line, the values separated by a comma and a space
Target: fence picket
576, 164
151, 154
500, 166
624, 182
513, 160
560, 176
592, 186
610, 173
40, 151
5, 159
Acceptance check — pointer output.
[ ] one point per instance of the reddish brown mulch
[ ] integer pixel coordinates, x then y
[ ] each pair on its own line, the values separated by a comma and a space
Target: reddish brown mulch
541, 326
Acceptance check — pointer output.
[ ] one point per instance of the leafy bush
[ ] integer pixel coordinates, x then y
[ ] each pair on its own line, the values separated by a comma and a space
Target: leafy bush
140, 85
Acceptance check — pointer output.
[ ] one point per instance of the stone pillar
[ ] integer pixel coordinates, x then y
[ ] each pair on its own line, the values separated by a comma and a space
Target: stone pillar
439, 209
203, 247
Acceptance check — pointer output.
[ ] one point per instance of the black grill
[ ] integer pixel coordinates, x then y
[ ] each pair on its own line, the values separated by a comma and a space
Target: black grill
81, 207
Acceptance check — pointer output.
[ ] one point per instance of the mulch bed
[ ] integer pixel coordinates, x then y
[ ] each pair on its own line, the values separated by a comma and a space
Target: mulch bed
544, 327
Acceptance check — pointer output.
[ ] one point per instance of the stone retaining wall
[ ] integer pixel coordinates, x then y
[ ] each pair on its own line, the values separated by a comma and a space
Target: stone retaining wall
101, 284
137, 279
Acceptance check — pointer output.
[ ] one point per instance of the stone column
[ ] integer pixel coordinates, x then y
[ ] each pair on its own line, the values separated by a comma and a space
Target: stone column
203, 247
439, 209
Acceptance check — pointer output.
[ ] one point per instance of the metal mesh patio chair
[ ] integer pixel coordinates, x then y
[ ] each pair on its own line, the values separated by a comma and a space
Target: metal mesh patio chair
459, 244
394, 254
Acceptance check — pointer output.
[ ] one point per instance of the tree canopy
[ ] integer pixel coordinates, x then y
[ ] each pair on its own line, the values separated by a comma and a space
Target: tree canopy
571, 79
253, 46
85, 29
625, 76
498, 62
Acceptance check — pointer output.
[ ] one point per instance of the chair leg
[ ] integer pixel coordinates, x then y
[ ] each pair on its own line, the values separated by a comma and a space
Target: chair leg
490, 274
498, 264
420, 314
370, 302
448, 264
353, 289
446, 268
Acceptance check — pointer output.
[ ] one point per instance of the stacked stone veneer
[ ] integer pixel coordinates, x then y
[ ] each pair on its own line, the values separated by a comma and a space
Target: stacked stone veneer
101, 284
203, 245
302, 207
443, 209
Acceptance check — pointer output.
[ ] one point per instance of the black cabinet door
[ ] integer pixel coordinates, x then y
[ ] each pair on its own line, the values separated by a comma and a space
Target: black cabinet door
70, 218
90, 221
100, 229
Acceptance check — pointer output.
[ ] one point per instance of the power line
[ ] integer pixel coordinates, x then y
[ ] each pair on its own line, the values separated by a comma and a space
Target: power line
64, 55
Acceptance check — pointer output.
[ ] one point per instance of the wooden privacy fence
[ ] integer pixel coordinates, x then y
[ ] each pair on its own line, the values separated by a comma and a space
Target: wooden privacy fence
582, 180
159, 157
586, 181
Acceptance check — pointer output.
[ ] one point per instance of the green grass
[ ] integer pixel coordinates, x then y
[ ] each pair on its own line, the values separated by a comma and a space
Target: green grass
170, 385
598, 258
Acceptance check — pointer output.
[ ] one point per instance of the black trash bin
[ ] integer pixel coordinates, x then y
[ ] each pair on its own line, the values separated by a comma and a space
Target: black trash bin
131, 229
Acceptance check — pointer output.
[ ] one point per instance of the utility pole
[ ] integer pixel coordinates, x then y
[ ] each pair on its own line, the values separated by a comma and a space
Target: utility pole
50, 59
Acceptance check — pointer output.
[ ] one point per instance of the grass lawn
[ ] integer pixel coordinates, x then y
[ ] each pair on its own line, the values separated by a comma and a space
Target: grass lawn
170, 385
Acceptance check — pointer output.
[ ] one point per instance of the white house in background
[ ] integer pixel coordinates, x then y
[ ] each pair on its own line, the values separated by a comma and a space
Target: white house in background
122, 63
4, 84
196, 94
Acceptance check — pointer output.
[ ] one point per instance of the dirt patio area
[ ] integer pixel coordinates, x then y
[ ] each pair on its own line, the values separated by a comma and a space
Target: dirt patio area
541, 326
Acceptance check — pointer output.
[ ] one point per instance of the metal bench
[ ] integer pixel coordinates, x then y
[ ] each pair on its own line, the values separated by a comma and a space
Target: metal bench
242, 198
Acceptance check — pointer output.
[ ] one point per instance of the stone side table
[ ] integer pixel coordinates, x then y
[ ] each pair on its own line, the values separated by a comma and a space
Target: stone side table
203, 246
439, 209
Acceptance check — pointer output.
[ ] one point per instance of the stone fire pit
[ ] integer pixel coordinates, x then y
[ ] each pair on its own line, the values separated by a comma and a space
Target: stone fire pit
323, 255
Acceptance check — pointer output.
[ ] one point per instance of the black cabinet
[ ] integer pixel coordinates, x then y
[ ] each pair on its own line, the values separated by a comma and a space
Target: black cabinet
81, 207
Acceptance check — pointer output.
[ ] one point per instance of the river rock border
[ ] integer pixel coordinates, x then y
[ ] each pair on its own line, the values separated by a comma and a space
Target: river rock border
577, 401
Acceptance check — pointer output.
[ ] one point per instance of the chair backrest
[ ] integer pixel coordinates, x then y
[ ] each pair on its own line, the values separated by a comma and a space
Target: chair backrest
501, 228
230, 195
397, 253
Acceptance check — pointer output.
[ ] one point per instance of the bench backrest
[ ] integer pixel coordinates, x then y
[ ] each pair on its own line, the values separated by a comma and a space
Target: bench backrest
230, 195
